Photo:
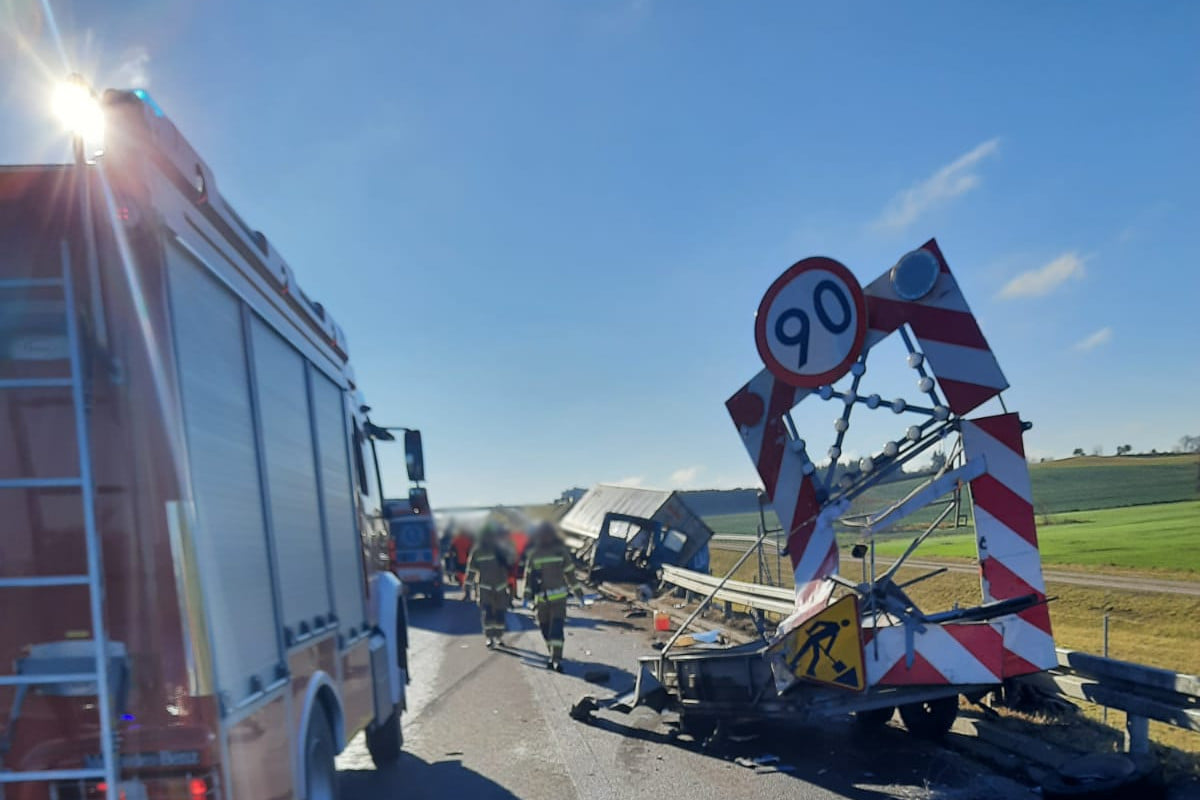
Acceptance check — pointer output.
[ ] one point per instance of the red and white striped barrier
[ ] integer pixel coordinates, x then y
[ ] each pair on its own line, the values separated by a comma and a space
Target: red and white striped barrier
966, 372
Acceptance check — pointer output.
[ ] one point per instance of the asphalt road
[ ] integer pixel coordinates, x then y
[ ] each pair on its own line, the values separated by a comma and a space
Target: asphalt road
494, 724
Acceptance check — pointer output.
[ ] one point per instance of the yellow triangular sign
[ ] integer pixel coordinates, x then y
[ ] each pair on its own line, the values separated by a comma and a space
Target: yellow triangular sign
827, 648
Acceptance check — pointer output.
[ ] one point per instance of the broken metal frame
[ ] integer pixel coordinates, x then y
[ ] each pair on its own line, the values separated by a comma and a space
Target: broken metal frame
931, 433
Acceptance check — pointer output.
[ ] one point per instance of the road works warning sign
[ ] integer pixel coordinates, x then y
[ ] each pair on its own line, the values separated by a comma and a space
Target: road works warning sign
828, 647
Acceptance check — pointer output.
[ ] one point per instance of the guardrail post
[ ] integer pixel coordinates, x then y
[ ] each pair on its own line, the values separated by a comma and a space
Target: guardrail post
728, 609
1137, 734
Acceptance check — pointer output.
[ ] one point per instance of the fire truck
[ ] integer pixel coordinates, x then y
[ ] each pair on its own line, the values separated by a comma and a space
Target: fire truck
415, 551
194, 579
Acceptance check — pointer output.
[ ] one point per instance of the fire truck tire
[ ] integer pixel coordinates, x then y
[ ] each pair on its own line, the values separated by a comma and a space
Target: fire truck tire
320, 773
385, 743
930, 719
874, 718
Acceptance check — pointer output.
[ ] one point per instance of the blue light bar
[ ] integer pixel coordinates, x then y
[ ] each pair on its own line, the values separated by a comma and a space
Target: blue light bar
144, 96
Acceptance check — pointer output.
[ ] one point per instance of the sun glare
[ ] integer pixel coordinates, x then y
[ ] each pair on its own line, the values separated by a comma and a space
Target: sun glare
79, 110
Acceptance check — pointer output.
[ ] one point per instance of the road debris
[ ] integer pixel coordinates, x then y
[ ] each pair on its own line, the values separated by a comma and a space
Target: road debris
765, 764
708, 637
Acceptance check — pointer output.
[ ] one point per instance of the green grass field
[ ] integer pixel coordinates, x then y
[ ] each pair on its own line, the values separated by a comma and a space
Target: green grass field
1074, 484
1152, 537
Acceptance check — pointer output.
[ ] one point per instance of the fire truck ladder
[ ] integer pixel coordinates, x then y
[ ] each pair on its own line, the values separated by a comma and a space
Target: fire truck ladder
72, 668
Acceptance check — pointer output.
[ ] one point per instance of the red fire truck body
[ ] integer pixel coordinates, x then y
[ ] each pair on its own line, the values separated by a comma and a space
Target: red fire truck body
172, 401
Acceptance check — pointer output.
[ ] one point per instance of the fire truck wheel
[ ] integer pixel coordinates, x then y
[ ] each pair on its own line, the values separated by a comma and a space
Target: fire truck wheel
319, 770
874, 718
386, 741
930, 719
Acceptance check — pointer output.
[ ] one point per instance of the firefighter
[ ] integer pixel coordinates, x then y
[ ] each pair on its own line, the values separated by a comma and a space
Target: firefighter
461, 545
549, 578
488, 566
517, 542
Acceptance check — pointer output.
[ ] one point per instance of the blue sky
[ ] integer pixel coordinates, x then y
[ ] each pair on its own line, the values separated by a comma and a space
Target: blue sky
546, 226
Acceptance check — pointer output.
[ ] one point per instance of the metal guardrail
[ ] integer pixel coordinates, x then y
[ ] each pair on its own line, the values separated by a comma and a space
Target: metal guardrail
1142, 692
752, 595
731, 541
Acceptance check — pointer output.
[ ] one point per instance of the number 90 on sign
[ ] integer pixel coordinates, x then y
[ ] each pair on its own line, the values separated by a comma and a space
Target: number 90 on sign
811, 323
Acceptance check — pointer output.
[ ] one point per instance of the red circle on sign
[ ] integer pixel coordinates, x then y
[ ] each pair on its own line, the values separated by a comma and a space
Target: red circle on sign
773, 364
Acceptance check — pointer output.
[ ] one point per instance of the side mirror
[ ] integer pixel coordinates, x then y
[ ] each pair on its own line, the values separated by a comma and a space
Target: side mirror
858, 551
418, 500
414, 456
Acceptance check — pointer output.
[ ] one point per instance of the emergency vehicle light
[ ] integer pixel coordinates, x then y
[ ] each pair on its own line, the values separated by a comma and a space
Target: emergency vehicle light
144, 96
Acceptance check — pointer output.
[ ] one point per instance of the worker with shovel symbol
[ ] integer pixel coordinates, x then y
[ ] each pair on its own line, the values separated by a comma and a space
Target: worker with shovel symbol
822, 635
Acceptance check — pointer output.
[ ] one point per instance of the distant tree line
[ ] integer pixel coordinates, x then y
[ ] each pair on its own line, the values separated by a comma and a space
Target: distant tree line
1186, 444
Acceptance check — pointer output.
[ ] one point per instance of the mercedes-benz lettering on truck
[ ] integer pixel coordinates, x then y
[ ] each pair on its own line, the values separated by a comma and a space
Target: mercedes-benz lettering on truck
194, 581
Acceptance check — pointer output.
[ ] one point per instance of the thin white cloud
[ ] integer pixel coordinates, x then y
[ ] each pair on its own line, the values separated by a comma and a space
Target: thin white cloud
685, 476
952, 180
633, 480
133, 71
1045, 279
1094, 340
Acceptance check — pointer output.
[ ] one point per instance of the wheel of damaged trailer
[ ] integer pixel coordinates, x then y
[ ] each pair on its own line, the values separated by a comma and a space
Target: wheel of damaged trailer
1105, 775
700, 727
930, 719
874, 718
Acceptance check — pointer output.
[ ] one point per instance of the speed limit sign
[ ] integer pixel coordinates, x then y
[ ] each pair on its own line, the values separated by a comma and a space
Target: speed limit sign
811, 323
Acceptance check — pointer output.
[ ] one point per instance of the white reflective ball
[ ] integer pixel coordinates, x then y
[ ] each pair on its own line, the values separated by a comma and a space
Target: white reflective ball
808, 468
890, 449
913, 433
850, 397
857, 369
866, 464
840, 425
899, 405
915, 360
835, 452
873, 401
825, 392
925, 384
941, 412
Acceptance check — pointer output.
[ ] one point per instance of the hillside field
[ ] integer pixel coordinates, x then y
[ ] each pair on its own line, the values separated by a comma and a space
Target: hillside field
1152, 537
1087, 483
